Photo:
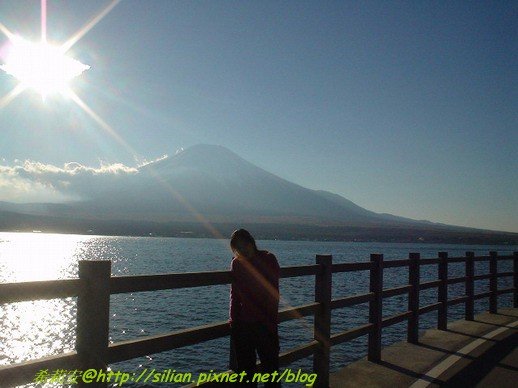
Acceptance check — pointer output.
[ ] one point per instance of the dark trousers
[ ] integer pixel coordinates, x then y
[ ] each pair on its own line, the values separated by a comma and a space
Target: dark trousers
249, 337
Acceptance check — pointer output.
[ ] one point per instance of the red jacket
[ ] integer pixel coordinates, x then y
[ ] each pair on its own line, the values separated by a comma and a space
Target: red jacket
254, 294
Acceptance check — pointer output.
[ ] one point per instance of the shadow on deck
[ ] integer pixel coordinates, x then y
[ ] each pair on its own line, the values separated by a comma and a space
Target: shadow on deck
479, 353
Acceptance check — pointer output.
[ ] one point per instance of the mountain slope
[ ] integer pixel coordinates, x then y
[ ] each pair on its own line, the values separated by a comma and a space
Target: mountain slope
212, 183
216, 183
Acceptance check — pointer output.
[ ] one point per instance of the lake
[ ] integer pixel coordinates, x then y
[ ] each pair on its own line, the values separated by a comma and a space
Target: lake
31, 330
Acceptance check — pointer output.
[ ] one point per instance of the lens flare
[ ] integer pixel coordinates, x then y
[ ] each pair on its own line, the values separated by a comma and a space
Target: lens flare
40, 66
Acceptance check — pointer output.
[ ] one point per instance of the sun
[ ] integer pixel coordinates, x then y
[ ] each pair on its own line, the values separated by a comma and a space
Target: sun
41, 66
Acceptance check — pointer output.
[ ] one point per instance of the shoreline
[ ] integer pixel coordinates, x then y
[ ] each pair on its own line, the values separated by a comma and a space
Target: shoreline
512, 245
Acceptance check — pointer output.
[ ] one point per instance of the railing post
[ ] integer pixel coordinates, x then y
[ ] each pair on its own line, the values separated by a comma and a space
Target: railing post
322, 325
493, 282
470, 286
413, 298
442, 319
515, 279
375, 307
93, 315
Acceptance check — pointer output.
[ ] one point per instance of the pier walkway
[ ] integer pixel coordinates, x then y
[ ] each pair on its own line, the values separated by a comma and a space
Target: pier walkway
480, 350
478, 353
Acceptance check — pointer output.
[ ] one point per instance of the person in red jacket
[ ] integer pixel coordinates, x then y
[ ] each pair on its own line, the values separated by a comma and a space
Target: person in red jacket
254, 305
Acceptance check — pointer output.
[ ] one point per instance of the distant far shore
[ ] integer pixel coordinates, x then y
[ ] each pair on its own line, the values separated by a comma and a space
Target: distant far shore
438, 241
14, 222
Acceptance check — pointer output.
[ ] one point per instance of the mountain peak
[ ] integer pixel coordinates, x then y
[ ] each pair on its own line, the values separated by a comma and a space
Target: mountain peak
205, 147
208, 154
207, 150
214, 160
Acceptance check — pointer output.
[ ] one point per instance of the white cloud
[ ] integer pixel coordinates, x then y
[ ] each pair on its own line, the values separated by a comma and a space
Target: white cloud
145, 162
73, 180
73, 168
31, 181
16, 189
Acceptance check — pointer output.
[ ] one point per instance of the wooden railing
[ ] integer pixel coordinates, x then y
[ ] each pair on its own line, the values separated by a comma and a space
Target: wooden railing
95, 285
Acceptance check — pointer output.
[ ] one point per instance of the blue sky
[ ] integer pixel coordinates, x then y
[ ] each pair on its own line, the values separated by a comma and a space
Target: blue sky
407, 108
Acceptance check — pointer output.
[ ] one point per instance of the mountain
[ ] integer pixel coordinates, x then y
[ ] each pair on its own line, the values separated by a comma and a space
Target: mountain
209, 183
217, 185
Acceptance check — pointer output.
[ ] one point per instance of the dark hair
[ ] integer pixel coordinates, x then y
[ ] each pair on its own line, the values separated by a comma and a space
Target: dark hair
239, 237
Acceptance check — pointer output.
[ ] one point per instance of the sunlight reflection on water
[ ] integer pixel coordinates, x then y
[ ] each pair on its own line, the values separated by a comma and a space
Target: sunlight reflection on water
35, 329
38, 256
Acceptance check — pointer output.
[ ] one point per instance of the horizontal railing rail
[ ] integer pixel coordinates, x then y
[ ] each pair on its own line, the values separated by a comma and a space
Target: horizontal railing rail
429, 308
23, 373
39, 290
396, 263
350, 267
430, 284
352, 300
95, 285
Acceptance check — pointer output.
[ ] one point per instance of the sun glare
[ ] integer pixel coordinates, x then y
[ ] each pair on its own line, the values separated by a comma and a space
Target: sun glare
41, 67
